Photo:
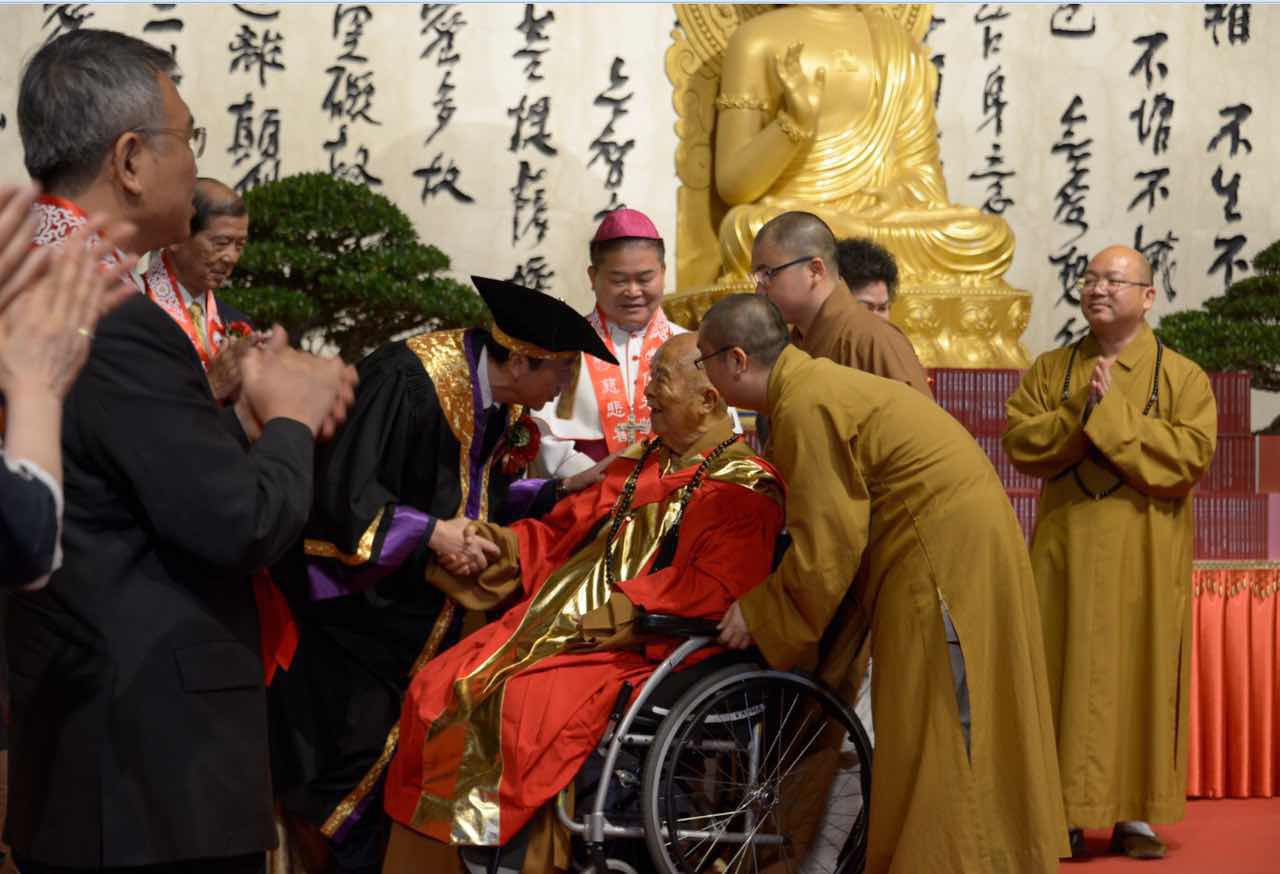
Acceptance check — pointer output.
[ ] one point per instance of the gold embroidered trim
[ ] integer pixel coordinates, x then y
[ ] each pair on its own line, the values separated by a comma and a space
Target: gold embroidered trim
531, 350
793, 133
724, 101
364, 548
344, 809
1227, 579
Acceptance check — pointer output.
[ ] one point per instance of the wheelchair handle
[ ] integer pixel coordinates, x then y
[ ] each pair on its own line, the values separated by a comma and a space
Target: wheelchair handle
667, 625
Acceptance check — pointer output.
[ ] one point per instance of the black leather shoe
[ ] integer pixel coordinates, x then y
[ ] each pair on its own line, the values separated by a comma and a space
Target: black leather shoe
1137, 845
1079, 850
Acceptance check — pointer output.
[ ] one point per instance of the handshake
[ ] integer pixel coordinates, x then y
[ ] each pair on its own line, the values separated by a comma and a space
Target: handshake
460, 548
272, 381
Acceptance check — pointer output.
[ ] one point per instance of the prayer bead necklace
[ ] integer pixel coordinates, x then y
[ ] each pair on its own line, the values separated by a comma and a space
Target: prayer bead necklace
623, 505
1074, 470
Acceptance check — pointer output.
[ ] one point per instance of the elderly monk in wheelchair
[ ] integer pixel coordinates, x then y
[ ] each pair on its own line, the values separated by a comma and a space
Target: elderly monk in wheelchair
492, 729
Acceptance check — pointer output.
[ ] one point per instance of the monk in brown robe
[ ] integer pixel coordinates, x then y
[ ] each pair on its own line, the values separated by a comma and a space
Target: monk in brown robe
794, 264
1121, 428
898, 519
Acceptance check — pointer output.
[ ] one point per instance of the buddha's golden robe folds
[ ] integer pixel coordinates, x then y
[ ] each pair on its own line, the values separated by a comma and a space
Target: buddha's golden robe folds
1114, 574
893, 511
877, 133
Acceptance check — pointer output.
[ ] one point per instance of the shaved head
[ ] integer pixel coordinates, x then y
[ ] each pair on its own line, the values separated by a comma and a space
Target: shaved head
749, 321
1123, 258
799, 234
678, 355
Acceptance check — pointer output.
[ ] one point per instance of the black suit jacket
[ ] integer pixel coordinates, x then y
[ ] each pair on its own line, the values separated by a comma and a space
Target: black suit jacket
139, 732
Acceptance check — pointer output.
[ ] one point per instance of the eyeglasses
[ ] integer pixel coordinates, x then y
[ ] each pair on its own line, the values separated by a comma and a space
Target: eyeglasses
699, 363
764, 275
1090, 282
195, 138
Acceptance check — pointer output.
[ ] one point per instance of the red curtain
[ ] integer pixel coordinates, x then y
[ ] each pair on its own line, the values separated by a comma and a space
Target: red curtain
1235, 680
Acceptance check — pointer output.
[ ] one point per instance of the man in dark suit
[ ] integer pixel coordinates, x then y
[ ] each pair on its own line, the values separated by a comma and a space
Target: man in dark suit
139, 737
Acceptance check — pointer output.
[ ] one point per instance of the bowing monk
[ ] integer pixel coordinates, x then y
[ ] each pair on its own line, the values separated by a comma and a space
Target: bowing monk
493, 728
901, 529
1121, 428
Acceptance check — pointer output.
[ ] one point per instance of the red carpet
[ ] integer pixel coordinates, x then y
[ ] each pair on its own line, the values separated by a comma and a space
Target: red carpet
1217, 837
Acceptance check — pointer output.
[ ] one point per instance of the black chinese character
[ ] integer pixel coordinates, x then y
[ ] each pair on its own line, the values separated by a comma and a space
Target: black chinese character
532, 27
1236, 116
1154, 180
1071, 264
445, 107
534, 273
990, 35
1234, 15
535, 205
350, 94
1063, 23
1228, 260
353, 18
436, 178
613, 204
1152, 43
997, 201
935, 22
535, 115
163, 25
68, 17
358, 171
248, 52
1070, 332
260, 16
1159, 254
242, 132
1153, 124
444, 21
1230, 192
993, 102
939, 61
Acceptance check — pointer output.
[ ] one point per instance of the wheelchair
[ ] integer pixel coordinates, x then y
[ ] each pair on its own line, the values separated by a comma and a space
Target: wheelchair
726, 766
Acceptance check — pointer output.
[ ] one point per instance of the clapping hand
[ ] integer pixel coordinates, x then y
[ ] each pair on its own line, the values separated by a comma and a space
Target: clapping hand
734, 633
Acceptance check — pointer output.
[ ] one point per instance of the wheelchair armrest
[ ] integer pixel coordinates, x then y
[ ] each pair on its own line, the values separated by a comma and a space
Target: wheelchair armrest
666, 625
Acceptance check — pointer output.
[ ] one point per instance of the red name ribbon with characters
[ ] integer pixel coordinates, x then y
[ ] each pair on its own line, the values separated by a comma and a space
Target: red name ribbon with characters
162, 287
624, 422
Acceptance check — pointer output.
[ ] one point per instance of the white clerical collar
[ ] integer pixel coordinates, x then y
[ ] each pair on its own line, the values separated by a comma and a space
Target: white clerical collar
482, 377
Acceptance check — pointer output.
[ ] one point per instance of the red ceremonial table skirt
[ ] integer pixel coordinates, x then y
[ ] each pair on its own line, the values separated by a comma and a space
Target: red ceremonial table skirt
1235, 680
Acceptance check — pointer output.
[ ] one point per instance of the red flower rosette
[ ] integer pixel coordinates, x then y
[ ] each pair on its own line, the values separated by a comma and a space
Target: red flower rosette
521, 440
239, 329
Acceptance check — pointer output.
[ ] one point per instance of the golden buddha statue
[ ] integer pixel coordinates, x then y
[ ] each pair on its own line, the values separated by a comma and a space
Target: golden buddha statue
829, 109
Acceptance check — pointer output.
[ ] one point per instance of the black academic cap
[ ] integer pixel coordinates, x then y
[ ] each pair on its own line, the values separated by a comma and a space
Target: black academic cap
536, 324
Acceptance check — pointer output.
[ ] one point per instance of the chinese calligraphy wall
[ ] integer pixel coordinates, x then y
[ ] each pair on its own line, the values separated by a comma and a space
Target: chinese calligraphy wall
505, 130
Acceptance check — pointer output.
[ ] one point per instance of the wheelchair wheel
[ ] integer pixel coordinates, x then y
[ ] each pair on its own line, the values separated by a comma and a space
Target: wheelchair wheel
756, 769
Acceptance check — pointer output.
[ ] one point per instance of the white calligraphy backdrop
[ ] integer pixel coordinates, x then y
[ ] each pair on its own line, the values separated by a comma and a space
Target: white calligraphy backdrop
1049, 114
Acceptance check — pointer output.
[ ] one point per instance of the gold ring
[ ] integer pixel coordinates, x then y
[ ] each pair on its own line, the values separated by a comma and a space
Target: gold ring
85, 332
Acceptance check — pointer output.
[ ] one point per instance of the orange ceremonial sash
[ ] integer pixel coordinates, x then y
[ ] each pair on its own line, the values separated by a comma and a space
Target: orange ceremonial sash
624, 422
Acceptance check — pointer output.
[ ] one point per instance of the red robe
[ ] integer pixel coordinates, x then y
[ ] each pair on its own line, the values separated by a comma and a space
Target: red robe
554, 709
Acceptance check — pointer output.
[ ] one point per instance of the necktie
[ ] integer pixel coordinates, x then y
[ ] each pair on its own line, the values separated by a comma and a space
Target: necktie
197, 317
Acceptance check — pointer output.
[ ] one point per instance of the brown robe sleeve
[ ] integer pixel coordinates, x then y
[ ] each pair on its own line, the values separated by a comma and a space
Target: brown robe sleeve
492, 586
828, 517
1163, 458
1045, 436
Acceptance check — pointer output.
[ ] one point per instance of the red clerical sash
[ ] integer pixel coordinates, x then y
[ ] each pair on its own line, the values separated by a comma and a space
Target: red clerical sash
624, 421
162, 286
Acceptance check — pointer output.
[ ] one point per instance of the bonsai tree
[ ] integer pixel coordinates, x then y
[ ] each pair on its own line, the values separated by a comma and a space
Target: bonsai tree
336, 263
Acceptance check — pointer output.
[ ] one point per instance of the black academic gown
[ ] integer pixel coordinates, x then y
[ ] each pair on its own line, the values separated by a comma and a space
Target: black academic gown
140, 723
402, 447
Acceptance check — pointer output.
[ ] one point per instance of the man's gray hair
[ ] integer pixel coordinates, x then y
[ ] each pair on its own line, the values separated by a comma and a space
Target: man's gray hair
79, 93
749, 321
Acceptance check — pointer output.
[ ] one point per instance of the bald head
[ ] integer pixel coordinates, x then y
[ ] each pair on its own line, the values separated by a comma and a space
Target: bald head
749, 321
212, 199
1123, 262
799, 234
